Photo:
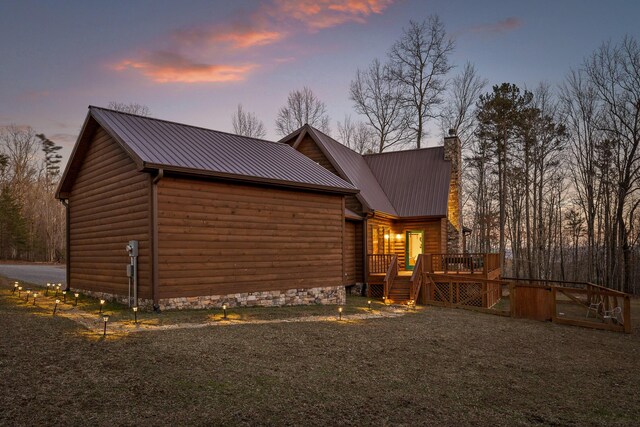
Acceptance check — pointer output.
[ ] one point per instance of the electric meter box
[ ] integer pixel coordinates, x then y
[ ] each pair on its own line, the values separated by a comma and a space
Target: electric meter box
132, 248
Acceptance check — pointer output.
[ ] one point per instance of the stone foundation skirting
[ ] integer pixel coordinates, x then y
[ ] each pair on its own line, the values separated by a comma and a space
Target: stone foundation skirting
325, 295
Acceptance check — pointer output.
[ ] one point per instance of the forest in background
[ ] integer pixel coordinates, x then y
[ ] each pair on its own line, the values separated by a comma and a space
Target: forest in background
550, 174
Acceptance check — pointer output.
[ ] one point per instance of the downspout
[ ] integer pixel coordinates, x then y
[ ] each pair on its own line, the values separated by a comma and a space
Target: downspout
154, 238
67, 249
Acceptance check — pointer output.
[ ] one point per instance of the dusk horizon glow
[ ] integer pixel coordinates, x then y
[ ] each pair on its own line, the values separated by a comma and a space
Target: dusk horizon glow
194, 62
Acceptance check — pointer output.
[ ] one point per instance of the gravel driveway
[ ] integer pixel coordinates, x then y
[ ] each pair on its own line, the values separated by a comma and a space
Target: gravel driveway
38, 274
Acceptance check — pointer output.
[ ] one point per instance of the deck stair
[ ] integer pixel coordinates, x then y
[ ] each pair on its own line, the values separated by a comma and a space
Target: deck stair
400, 291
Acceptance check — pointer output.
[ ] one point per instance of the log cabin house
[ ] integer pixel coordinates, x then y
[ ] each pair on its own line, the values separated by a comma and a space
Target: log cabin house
224, 219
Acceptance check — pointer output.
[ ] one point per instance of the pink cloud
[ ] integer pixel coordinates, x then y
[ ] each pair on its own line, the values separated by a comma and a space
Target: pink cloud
169, 67
503, 26
270, 23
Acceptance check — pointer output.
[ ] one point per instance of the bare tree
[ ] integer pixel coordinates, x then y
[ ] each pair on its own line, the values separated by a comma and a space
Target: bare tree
615, 73
303, 107
420, 62
131, 108
377, 96
356, 135
459, 113
247, 124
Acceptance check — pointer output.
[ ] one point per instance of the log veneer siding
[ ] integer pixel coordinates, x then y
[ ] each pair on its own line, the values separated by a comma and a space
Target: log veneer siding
108, 206
218, 238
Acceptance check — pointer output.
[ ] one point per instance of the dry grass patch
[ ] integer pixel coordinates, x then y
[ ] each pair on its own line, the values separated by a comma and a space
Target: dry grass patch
435, 366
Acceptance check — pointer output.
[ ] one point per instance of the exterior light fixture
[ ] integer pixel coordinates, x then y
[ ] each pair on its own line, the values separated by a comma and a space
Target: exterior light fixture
398, 236
57, 289
386, 237
105, 319
19, 290
340, 313
46, 293
64, 296
76, 295
369, 304
15, 288
28, 292
55, 307
35, 295
101, 305
135, 314
224, 311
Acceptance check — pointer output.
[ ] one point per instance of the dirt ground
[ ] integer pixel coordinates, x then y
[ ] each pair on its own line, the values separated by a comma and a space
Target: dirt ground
432, 366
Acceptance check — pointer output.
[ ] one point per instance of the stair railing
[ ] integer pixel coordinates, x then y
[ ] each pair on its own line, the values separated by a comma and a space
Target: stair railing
417, 278
390, 277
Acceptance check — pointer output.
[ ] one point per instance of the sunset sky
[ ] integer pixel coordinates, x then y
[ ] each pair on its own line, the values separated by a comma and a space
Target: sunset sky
194, 61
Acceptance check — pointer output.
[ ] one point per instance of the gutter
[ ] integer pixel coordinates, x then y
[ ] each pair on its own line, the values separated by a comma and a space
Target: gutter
154, 240
67, 249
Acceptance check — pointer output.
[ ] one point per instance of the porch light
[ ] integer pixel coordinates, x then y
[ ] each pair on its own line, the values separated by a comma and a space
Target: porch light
224, 311
35, 295
76, 295
386, 237
135, 315
55, 307
105, 319
398, 236
101, 305
340, 312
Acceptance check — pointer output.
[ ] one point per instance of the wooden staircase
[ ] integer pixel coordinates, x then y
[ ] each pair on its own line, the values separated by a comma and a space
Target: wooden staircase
400, 292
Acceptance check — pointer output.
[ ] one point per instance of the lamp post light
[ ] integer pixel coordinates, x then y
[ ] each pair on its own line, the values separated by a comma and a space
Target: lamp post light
135, 314
101, 305
19, 291
224, 311
105, 319
340, 312
35, 295
15, 288
55, 307
46, 293
76, 295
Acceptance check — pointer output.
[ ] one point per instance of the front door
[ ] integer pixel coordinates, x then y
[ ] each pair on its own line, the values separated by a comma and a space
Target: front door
414, 247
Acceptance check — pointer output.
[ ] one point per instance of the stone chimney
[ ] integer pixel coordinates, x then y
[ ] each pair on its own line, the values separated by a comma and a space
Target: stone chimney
453, 153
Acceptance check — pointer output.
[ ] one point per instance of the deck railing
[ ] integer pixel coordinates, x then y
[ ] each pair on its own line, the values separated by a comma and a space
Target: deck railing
379, 263
469, 263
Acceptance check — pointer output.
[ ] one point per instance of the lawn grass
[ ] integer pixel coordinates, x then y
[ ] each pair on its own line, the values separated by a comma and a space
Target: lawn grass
434, 366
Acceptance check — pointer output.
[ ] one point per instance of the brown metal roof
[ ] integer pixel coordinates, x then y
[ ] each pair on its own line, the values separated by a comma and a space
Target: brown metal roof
156, 144
355, 170
416, 181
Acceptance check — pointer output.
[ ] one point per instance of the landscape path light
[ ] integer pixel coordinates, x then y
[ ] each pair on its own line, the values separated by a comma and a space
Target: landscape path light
55, 307
57, 289
369, 304
101, 305
76, 295
19, 291
135, 314
28, 293
35, 295
15, 288
46, 293
340, 312
224, 311
105, 319
64, 296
